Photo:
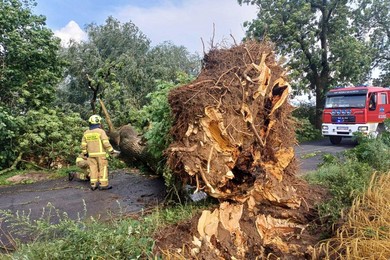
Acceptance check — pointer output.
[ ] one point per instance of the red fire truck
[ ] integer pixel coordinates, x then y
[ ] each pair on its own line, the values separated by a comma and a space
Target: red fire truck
355, 109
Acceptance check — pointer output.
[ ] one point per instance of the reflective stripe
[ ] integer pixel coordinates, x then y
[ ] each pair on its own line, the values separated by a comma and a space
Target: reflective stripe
105, 176
92, 137
97, 154
93, 180
78, 159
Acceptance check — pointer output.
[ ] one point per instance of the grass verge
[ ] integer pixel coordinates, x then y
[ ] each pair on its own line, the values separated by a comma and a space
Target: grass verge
122, 238
366, 232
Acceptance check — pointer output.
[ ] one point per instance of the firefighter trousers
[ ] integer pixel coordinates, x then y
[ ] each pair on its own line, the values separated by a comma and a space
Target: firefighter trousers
98, 171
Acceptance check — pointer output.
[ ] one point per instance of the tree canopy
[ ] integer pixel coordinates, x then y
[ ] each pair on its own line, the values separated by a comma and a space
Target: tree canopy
321, 40
30, 69
118, 63
29, 64
374, 19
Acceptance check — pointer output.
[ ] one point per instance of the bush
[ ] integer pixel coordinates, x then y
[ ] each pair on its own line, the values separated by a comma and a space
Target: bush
305, 131
374, 152
305, 117
46, 137
305, 110
344, 180
10, 127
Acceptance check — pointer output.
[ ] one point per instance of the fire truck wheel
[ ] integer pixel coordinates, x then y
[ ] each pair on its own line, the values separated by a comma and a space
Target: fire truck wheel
335, 139
380, 129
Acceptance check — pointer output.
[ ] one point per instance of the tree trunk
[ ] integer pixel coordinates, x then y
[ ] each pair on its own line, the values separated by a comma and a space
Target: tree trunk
129, 143
107, 116
320, 103
132, 147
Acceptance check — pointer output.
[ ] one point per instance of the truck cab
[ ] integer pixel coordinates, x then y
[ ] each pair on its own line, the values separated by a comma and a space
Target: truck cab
355, 109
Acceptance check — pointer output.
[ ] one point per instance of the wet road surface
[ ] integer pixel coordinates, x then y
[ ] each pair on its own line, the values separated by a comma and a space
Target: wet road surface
131, 191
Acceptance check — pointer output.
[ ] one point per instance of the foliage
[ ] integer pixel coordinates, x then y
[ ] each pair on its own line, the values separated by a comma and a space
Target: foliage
344, 180
305, 110
115, 163
56, 236
157, 115
324, 45
154, 121
51, 137
306, 131
347, 175
46, 137
29, 64
374, 152
374, 20
112, 51
118, 64
304, 115
9, 129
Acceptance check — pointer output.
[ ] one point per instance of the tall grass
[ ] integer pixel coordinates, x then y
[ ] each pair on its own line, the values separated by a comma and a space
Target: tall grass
366, 233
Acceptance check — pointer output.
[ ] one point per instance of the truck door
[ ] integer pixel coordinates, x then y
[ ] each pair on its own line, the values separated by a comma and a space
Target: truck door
384, 105
372, 112
378, 107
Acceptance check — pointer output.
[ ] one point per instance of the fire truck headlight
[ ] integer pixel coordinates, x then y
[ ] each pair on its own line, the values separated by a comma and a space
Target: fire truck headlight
325, 127
363, 128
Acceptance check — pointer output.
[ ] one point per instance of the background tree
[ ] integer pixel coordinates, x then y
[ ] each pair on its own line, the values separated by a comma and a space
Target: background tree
374, 20
29, 64
32, 129
118, 64
323, 46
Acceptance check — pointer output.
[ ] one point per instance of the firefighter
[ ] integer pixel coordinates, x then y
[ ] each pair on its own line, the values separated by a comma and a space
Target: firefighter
94, 146
82, 163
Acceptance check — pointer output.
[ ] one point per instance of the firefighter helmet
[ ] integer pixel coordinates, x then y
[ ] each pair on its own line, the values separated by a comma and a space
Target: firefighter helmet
94, 119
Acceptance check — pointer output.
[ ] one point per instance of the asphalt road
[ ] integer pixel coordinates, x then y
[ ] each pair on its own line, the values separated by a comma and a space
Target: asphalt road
310, 154
131, 192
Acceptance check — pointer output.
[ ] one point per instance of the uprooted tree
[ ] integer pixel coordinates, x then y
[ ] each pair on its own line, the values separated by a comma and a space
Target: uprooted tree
233, 138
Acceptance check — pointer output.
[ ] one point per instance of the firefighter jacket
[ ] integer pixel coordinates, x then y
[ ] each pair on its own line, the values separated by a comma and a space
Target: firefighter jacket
95, 143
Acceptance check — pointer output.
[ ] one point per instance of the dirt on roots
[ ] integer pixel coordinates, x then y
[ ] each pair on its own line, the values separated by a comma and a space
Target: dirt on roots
177, 241
233, 138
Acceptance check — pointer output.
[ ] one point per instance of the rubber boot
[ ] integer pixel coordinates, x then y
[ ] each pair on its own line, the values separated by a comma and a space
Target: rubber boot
105, 187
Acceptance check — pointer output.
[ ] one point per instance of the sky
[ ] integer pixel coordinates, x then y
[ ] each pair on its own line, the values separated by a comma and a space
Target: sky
182, 22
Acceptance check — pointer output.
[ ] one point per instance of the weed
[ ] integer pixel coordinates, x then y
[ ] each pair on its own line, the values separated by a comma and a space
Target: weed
310, 155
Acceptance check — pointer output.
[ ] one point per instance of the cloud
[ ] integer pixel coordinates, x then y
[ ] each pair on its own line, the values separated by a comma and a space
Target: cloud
191, 22
71, 31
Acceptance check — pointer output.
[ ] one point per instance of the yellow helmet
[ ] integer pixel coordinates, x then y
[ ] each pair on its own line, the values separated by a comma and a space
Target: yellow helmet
94, 119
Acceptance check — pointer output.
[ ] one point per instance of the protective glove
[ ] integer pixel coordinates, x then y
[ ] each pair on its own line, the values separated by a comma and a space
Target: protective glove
114, 152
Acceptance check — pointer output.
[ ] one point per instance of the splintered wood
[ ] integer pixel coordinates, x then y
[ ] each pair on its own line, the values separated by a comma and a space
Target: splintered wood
232, 132
233, 138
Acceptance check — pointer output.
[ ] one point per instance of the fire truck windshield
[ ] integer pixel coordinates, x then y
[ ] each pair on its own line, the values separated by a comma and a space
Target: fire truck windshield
345, 101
